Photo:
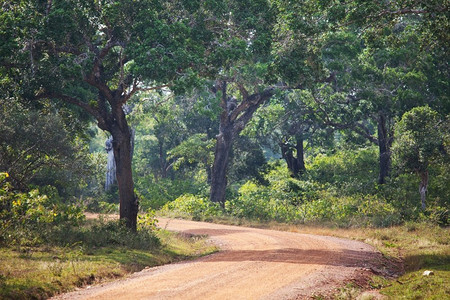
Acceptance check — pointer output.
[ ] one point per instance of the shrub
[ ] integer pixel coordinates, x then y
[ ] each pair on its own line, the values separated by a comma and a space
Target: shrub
284, 200
101, 206
376, 211
338, 189
148, 221
155, 194
349, 211
196, 207
348, 171
27, 217
104, 234
252, 202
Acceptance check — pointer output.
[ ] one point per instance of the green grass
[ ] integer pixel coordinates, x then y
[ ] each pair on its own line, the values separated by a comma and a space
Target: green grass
420, 247
42, 271
413, 285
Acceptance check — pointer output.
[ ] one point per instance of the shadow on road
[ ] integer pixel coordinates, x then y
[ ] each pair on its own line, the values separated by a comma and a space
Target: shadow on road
346, 258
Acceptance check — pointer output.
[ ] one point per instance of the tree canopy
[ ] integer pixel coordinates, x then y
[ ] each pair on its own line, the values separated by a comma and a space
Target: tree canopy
328, 74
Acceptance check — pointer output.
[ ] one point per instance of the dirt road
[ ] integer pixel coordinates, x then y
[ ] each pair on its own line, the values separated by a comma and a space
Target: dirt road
254, 264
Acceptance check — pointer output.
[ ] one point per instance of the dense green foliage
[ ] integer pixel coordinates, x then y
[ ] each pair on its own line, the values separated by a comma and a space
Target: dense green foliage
301, 112
339, 190
28, 217
327, 108
42, 147
420, 138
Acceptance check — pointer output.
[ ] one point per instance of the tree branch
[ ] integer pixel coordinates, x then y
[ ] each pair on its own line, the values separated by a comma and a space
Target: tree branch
243, 91
254, 101
72, 100
364, 131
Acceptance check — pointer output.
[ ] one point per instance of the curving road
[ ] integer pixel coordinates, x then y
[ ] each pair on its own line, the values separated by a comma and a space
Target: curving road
254, 264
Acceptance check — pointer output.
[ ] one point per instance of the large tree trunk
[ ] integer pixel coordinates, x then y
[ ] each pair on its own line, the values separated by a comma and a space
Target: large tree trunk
384, 149
423, 187
218, 175
296, 165
233, 119
122, 154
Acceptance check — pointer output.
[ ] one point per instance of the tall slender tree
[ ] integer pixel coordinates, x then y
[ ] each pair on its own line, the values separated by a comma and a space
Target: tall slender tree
419, 139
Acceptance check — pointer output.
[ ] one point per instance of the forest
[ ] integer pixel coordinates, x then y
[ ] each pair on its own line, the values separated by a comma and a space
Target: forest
317, 113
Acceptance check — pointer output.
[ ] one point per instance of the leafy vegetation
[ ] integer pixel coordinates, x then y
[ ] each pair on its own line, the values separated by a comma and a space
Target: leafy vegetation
337, 190
301, 112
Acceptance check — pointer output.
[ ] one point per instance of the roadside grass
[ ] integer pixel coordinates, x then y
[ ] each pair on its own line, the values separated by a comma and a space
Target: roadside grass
415, 248
411, 249
38, 272
421, 247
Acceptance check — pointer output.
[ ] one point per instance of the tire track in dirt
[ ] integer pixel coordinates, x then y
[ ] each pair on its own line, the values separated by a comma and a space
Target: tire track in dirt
253, 264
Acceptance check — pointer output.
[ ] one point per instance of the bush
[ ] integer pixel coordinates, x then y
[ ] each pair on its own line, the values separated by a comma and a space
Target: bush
102, 206
278, 200
255, 202
104, 234
252, 203
338, 189
196, 207
348, 171
27, 217
155, 194
286, 199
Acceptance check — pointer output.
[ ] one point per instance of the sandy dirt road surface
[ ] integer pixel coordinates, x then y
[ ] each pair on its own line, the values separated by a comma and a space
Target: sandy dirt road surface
253, 264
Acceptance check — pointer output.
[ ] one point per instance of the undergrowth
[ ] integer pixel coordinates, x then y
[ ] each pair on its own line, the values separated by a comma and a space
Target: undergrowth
79, 256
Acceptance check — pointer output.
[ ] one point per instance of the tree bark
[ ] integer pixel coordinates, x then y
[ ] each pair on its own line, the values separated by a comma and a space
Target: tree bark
384, 149
288, 155
296, 165
300, 155
224, 143
110, 165
233, 120
208, 172
122, 155
423, 187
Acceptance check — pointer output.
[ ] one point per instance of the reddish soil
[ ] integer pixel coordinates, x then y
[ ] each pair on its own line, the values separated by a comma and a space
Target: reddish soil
253, 264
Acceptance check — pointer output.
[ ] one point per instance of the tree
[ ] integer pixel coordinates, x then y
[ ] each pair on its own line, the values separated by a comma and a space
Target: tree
418, 140
240, 87
233, 120
283, 125
368, 78
275, 42
33, 142
175, 134
96, 55
375, 80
